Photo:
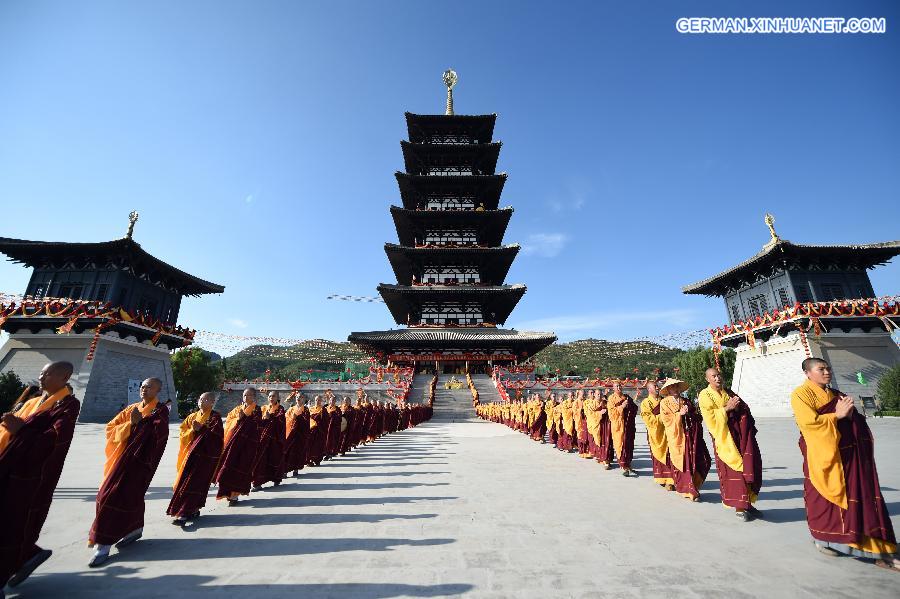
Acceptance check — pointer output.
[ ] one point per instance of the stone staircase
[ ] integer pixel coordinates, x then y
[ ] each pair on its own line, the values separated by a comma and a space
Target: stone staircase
418, 391
487, 392
452, 405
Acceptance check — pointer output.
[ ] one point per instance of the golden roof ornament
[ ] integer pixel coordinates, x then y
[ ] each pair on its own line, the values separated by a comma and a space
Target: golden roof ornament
770, 222
450, 78
132, 218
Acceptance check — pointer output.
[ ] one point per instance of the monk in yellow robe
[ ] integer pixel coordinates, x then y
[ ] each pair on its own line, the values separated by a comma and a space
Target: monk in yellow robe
733, 432
684, 438
550, 415
622, 413
845, 509
135, 442
200, 445
656, 438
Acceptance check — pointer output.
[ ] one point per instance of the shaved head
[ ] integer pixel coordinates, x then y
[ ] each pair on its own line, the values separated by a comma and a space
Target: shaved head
55, 375
810, 363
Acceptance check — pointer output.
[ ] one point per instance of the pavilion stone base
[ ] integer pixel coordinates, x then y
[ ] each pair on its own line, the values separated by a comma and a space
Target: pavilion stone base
103, 384
765, 376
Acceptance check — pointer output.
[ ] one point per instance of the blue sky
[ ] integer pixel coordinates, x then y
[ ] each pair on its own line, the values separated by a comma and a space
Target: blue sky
258, 140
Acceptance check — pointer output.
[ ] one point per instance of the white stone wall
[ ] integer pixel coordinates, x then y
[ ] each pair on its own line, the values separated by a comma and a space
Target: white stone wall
764, 377
102, 383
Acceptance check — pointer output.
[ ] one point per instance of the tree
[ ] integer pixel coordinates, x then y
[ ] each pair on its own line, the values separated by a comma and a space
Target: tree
194, 374
693, 363
889, 389
11, 386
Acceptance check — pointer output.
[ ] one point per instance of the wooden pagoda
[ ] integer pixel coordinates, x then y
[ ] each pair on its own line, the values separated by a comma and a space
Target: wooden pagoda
451, 262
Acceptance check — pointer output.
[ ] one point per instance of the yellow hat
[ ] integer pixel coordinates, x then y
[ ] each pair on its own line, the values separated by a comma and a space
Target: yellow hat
680, 386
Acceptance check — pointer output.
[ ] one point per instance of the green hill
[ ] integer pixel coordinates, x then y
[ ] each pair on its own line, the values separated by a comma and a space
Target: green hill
613, 358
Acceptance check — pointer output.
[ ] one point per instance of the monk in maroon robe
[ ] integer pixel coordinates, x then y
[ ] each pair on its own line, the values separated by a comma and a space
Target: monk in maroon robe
684, 437
332, 429
135, 442
604, 449
235, 470
844, 505
733, 431
297, 437
201, 438
317, 430
622, 412
348, 414
269, 463
34, 442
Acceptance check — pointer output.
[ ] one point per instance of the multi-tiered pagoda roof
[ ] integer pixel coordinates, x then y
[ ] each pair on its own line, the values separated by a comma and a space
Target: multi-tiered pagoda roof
451, 263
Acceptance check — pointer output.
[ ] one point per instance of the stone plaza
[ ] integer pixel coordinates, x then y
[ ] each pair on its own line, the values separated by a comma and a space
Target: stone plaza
459, 507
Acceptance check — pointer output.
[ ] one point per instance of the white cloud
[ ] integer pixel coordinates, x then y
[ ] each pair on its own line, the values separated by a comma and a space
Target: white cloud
576, 326
249, 199
545, 245
237, 322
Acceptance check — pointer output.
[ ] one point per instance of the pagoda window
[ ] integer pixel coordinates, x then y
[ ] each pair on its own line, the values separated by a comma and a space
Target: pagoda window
71, 290
451, 237
735, 313
450, 170
450, 203
758, 305
101, 291
452, 313
832, 291
449, 138
802, 291
783, 297
451, 275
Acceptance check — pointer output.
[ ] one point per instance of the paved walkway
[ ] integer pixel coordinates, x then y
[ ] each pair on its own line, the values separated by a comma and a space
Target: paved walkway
465, 509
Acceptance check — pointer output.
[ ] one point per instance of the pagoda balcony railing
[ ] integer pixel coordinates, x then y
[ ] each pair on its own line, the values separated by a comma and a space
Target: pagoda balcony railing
449, 140
451, 171
451, 245
431, 325
448, 283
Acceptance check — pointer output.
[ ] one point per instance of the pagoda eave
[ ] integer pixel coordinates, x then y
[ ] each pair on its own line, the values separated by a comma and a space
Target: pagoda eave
490, 225
497, 302
483, 189
494, 262
522, 344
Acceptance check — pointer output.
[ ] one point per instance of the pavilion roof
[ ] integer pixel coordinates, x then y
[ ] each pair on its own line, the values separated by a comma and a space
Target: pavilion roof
452, 338
781, 254
124, 253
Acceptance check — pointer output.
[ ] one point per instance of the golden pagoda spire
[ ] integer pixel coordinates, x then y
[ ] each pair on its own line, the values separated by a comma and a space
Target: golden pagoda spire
132, 218
450, 79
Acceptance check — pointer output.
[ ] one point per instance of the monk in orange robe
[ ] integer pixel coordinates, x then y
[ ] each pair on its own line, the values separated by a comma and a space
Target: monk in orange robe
656, 438
844, 505
269, 463
296, 436
135, 442
235, 470
604, 445
34, 442
733, 432
622, 412
200, 439
551, 417
684, 438
317, 430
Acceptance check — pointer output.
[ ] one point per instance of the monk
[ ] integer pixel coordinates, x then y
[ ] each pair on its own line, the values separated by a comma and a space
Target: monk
317, 426
297, 436
581, 431
567, 422
604, 451
539, 421
551, 412
200, 437
845, 509
332, 429
684, 438
34, 442
592, 418
733, 432
656, 439
269, 463
348, 415
135, 442
235, 470
622, 413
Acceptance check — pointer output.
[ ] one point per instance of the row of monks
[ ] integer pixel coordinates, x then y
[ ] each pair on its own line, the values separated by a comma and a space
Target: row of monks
845, 510
252, 446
